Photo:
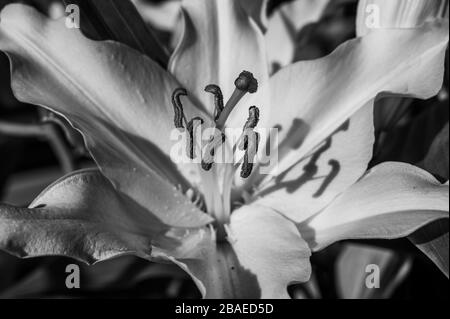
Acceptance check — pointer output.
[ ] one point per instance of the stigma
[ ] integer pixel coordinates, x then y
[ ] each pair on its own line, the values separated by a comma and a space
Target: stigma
245, 83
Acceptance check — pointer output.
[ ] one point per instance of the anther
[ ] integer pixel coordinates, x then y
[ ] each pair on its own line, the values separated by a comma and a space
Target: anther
250, 153
218, 99
178, 107
253, 118
213, 145
247, 167
191, 127
245, 83
243, 144
252, 121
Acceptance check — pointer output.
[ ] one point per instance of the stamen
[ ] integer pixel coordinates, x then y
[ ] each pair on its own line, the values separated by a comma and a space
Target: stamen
253, 118
245, 83
247, 167
191, 127
208, 157
243, 145
252, 121
249, 156
218, 99
178, 107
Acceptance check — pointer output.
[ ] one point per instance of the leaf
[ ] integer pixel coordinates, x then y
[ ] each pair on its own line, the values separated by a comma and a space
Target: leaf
352, 266
389, 111
437, 160
411, 140
433, 241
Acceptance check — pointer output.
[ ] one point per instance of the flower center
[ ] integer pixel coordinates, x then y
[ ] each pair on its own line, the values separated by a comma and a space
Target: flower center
217, 176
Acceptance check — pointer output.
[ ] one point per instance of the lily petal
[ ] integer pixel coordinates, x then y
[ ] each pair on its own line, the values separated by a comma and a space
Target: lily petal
219, 42
265, 254
400, 14
393, 200
284, 26
118, 98
257, 10
309, 186
164, 16
324, 93
119, 21
80, 216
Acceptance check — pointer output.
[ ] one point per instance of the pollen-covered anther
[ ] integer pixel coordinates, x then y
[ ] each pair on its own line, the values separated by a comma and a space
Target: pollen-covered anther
191, 128
246, 82
218, 99
251, 147
210, 151
179, 117
247, 167
252, 122
253, 118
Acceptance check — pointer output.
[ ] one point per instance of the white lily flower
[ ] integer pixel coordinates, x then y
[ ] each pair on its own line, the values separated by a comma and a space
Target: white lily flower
137, 202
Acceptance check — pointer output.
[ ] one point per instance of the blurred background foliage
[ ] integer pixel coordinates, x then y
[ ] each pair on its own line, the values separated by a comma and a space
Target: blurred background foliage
406, 129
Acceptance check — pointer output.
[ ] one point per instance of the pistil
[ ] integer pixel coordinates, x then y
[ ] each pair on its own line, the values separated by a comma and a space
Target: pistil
245, 83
